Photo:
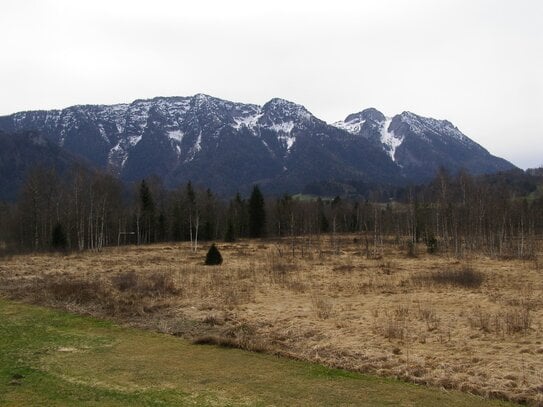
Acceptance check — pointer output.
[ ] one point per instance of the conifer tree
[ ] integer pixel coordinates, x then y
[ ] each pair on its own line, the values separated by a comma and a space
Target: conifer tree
58, 238
145, 220
213, 257
229, 235
257, 213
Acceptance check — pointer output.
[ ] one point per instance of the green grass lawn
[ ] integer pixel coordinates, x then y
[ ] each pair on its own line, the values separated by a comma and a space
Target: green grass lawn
53, 358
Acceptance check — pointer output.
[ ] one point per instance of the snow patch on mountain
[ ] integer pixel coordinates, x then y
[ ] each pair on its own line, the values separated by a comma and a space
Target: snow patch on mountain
249, 122
117, 156
287, 139
133, 140
195, 148
103, 133
389, 140
176, 135
353, 126
284, 127
198, 146
284, 133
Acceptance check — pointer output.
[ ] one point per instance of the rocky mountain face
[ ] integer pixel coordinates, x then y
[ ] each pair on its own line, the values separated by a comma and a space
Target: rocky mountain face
419, 146
230, 146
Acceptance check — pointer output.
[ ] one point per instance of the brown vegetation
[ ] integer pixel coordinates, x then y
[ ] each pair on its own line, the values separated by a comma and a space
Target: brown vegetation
474, 324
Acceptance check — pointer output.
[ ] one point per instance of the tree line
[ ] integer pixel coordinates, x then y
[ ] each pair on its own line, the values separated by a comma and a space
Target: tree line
91, 210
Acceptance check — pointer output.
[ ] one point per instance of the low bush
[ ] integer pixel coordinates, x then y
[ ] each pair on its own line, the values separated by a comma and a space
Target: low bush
125, 280
465, 277
79, 291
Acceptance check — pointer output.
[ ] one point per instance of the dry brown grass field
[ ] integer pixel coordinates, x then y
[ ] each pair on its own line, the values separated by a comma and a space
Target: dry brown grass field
474, 324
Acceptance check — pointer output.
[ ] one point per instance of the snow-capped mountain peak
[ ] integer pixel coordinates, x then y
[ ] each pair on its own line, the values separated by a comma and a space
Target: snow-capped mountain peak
224, 144
286, 109
355, 122
420, 125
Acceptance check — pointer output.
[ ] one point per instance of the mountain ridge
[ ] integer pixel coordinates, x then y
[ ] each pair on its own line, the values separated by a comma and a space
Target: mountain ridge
230, 145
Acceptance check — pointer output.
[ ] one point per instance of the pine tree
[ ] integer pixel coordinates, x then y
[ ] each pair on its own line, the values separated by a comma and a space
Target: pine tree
146, 219
191, 196
230, 236
213, 257
147, 203
257, 214
58, 238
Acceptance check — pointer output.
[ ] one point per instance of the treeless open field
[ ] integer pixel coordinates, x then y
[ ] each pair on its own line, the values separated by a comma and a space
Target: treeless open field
474, 324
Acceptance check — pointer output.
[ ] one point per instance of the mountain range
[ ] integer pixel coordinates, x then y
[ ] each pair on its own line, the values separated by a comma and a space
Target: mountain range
230, 146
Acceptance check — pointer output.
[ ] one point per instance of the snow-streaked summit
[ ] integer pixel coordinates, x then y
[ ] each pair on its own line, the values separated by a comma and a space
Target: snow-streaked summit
374, 125
287, 110
420, 125
391, 132
224, 144
353, 126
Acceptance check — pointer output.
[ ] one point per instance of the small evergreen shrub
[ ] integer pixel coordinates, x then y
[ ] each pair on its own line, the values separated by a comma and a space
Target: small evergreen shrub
213, 257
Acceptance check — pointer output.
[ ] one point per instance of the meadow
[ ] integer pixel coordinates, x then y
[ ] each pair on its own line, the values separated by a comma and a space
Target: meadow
473, 324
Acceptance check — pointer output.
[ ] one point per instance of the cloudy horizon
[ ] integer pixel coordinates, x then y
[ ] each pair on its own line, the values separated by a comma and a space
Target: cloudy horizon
477, 64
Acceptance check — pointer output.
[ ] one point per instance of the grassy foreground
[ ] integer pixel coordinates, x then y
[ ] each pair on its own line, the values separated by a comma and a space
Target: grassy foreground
54, 358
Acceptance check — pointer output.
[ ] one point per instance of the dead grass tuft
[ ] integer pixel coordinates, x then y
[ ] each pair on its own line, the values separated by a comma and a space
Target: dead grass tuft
322, 306
241, 336
126, 280
73, 290
510, 321
156, 284
393, 328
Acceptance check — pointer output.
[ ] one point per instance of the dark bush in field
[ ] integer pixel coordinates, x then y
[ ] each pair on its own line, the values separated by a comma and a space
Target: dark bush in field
213, 257
465, 277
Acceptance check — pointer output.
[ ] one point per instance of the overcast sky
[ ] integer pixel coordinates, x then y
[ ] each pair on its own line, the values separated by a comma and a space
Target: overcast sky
477, 63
